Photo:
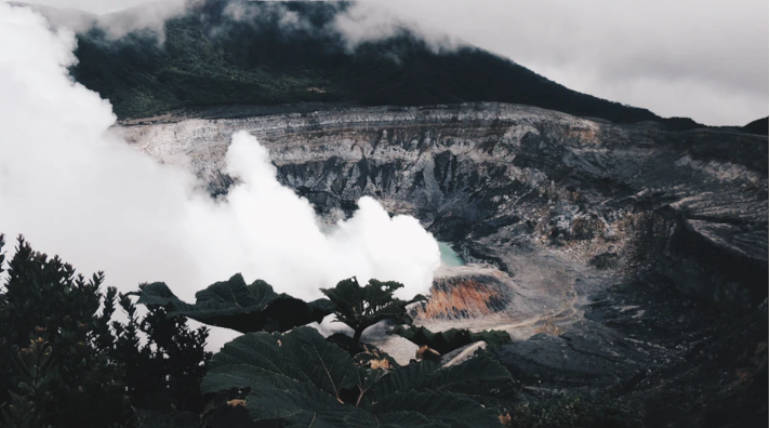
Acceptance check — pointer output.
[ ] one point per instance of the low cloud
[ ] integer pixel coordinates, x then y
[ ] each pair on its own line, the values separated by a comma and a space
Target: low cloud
368, 21
703, 59
115, 18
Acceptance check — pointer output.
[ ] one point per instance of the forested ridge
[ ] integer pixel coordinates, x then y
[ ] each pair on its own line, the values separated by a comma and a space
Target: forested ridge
208, 58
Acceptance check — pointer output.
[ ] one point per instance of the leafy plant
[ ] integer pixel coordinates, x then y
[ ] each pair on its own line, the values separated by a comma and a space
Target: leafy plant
49, 328
65, 363
300, 379
33, 363
448, 340
163, 372
360, 307
233, 304
70, 364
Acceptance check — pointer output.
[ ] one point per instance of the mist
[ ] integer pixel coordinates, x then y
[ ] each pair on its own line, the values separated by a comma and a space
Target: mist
707, 60
704, 60
75, 189
115, 18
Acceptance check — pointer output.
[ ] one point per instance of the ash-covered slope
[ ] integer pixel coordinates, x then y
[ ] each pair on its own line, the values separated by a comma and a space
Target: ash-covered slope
621, 256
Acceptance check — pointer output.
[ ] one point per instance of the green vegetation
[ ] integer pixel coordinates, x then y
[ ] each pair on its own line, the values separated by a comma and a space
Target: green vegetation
361, 307
453, 338
68, 364
210, 59
238, 306
72, 363
52, 373
303, 380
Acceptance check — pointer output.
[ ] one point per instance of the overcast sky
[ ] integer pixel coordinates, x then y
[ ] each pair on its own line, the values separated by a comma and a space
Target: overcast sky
706, 59
701, 58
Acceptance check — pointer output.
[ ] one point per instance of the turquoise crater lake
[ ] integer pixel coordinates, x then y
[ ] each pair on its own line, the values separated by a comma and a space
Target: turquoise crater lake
449, 256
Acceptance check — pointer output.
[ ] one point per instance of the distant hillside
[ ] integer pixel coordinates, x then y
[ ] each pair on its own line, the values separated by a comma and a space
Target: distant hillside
758, 126
209, 58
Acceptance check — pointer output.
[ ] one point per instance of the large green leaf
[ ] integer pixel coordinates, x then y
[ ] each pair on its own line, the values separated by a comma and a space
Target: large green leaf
245, 308
304, 380
303, 355
298, 377
445, 341
471, 377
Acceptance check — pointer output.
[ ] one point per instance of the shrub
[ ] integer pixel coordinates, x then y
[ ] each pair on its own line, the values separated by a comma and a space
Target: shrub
360, 307
50, 329
68, 364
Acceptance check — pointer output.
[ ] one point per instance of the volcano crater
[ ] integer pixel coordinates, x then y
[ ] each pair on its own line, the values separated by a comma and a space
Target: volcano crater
607, 251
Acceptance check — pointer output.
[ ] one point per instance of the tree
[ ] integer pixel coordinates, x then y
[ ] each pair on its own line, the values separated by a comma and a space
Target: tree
68, 364
239, 306
50, 327
360, 307
163, 372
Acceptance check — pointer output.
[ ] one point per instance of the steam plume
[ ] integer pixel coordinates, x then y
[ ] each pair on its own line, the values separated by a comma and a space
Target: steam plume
76, 190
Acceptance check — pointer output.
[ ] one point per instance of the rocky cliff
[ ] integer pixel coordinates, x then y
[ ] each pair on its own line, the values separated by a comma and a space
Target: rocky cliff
612, 253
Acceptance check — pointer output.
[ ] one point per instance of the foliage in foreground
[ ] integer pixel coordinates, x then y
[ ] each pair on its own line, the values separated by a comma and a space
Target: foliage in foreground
235, 305
298, 378
72, 364
301, 379
53, 374
360, 307
446, 341
65, 363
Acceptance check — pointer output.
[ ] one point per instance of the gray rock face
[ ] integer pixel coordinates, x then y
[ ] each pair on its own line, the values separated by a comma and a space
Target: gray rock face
494, 177
614, 242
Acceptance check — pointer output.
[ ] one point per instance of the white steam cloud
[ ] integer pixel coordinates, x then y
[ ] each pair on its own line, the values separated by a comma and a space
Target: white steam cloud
115, 18
74, 189
371, 21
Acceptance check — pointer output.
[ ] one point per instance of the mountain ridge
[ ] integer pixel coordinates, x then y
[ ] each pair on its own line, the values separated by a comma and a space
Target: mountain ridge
212, 58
